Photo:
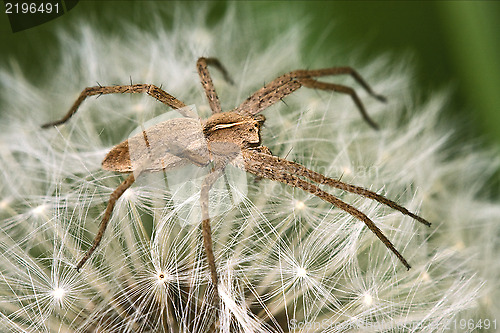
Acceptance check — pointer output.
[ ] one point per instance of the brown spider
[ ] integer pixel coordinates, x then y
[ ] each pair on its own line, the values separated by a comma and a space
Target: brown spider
227, 138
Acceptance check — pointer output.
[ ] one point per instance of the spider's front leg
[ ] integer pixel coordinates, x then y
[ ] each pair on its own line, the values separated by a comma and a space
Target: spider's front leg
286, 84
149, 89
262, 164
207, 83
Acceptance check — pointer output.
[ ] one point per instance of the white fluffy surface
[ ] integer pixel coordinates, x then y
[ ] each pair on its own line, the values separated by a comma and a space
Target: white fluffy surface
287, 260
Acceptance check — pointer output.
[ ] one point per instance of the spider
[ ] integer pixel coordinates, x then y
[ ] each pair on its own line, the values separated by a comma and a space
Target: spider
224, 138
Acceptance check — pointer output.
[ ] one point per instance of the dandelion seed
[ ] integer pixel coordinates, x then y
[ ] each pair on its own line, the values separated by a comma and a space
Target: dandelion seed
367, 299
459, 246
425, 277
314, 101
58, 294
5, 203
301, 272
346, 170
300, 205
163, 277
39, 210
139, 108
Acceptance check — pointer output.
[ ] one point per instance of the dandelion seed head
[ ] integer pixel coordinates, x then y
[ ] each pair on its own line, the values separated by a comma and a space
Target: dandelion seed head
425, 277
301, 272
163, 277
202, 37
58, 294
139, 107
367, 299
281, 254
300, 205
487, 301
314, 102
459, 246
39, 210
5, 203
346, 170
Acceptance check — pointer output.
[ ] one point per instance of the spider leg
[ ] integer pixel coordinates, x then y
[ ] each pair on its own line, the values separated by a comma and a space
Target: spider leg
302, 171
259, 165
268, 95
286, 84
310, 83
149, 89
207, 83
208, 181
107, 216
345, 70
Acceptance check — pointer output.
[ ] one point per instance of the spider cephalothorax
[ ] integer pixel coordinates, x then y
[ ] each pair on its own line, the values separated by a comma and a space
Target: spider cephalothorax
244, 131
231, 137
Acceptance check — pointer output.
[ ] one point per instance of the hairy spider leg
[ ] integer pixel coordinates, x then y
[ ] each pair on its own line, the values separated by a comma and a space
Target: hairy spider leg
314, 84
207, 83
149, 89
117, 193
273, 168
206, 185
300, 170
286, 84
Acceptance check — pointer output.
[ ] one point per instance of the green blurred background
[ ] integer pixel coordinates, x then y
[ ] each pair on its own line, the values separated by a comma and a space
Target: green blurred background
451, 44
